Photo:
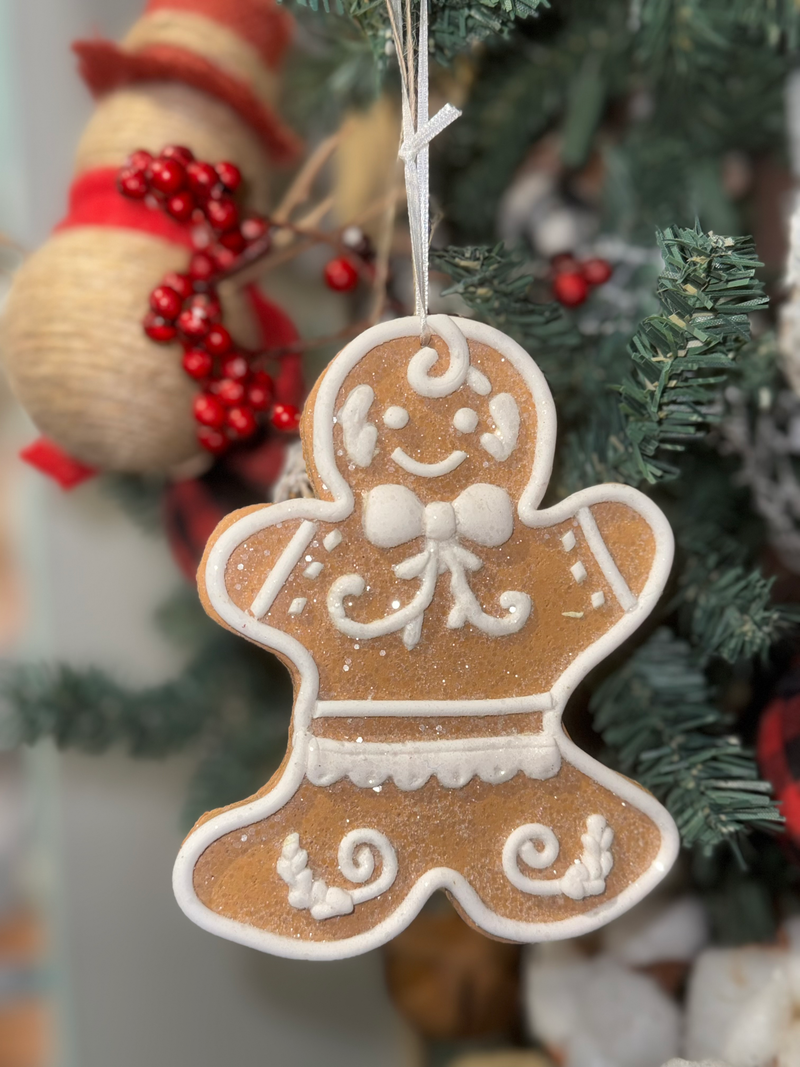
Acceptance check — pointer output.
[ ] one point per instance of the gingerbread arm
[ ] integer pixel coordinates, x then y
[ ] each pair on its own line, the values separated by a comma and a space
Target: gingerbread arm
617, 554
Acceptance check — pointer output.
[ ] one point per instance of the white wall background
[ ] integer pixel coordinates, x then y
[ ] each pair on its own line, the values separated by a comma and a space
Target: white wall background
138, 985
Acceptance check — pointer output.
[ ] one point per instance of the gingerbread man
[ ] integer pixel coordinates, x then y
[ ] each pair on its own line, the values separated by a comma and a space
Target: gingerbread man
435, 622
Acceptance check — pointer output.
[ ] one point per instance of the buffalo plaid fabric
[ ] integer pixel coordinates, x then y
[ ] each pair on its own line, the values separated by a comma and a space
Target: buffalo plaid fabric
779, 750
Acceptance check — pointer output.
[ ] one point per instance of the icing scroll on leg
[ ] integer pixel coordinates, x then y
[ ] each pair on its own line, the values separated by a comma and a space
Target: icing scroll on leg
357, 864
537, 846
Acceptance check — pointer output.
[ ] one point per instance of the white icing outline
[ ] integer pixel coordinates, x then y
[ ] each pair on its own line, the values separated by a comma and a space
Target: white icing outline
336, 510
428, 470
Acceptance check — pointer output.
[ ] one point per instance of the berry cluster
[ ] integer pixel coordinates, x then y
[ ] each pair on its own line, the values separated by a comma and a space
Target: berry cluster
572, 279
186, 307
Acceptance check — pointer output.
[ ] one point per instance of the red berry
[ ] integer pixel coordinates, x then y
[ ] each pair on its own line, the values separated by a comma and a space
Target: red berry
201, 267
224, 259
181, 206
192, 326
206, 305
341, 275
218, 341
596, 271
229, 392
564, 263
166, 302
181, 283
233, 240
167, 176
157, 329
201, 178
259, 392
254, 228
234, 366
208, 410
230, 176
285, 417
178, 151
197, 363
242, 421
570, 289
222, 214
133, 183
139, 160
213, 440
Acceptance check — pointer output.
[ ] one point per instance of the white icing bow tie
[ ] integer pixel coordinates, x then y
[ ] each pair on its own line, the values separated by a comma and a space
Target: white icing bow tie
394, 515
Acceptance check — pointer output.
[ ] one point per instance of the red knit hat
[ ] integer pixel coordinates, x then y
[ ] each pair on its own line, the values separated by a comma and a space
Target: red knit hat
229, 50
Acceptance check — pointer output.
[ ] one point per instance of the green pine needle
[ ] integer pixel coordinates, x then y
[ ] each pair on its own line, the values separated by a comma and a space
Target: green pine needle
658, 716
495, 284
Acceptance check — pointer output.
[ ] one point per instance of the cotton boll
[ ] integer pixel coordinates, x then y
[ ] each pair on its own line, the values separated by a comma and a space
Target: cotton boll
696, 1063
656, 933
738, 1006
789, 1047
551, 973
597, 1013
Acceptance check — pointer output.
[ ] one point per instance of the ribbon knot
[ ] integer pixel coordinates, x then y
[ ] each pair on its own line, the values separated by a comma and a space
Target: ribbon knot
394, 515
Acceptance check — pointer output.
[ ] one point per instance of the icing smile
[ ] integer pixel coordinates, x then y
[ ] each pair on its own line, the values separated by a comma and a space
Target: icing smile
428, 470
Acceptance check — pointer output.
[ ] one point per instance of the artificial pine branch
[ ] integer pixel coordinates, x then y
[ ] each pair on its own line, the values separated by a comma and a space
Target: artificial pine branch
89, 711
727, 604
455, 25
658, 715
495, 284
707, 291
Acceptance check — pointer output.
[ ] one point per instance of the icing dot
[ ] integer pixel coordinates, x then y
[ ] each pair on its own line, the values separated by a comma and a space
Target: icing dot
383, 652
395, 418
346, 667
359, 740
465, 420
395, 604
377, 788
240, 566
244, 837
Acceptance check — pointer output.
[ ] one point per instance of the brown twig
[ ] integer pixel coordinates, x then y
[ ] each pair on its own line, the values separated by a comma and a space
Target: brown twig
300, 189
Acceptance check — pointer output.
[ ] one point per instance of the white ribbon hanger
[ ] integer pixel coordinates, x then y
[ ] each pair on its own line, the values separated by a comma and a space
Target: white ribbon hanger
418, 131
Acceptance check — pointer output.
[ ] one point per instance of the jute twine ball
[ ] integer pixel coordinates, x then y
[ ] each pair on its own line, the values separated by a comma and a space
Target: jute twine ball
157, 114
78, 359
71, 335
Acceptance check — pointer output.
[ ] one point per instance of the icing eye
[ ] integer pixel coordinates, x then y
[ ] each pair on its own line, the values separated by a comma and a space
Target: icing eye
465, 420
395, 418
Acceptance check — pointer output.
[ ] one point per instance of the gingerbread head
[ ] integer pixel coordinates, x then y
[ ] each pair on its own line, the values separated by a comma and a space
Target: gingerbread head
435, 622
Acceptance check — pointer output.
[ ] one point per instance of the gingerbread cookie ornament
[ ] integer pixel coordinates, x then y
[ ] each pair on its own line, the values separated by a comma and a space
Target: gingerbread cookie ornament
435, 622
